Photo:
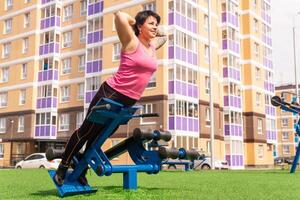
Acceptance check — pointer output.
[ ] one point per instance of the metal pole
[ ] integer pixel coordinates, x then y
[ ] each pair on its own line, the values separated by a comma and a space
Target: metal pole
211, 100
295, 64
295, 57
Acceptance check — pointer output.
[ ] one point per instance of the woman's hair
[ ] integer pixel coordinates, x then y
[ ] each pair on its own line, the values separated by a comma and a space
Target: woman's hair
141, 17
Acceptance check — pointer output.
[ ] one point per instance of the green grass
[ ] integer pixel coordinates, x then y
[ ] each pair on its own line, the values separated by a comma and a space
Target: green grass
214, 185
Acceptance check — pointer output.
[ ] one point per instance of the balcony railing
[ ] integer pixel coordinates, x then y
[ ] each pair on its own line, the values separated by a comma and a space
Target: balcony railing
46, 102
182, 21
231, 72
233, 130
50, 22
183, 88
228, 17
46, 75
232, 101
95, 8
183, 123
45, 131
185, 55
49, 48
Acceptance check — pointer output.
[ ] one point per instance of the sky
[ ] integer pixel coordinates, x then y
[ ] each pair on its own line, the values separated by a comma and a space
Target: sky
282, 14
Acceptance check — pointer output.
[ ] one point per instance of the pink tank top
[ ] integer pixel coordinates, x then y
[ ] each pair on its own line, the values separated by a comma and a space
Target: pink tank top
134, 72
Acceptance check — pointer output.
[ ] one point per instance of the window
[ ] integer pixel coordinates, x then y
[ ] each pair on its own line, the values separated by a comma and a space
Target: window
3, 99
207, 85
259, 126
1, 151
285, 122
4, 74
80, 93
26, 20
45, 91
82, 35
2, 125
95, 24
117, 51
285, 135
93, 83
68, 12
255, 21
257, 73
65, 93
81, 64
260, 152
8, 26
258, 99
152, 82
147, 109
149, 6
206, 23
207, 116
286, 149
66, 68
83, 7
24, 71
6, 50
206, 49
25, 45
94, 53
64, 122
9, 4
44, 118
79, 119
21, 124
22, 99
256, 49
67, 39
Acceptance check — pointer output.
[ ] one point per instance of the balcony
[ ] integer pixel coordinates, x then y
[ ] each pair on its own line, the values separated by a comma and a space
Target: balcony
46, 102
266, 17
176, 52
270, 110
228, 44
89, 96
269, 86
183, 123
45, 131
231, 72
49, 48
266, 39
235, 160
230, 18
94, 66
50, 22
182, 21
47, 75
46, 1
233, 130
232, 101
95, 37
183, 88
271, 137
267, 63
95, 8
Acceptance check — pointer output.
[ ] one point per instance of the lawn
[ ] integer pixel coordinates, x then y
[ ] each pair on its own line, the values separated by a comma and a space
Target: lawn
223, 185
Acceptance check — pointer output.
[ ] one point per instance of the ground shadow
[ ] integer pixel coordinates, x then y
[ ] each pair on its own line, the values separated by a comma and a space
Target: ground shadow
44, 193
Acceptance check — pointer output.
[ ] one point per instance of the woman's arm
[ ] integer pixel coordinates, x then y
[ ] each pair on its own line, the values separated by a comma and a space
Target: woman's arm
160, 39
123, 23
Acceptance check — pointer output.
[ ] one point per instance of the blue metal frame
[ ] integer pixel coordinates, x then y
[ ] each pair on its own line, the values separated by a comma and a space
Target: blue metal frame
146, 161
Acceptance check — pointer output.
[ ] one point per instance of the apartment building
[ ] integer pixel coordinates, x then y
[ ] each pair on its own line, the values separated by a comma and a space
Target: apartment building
56, 53
287, 142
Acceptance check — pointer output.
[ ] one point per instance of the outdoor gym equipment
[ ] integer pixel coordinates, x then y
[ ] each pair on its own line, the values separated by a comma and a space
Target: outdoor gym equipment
112, 114
294, 108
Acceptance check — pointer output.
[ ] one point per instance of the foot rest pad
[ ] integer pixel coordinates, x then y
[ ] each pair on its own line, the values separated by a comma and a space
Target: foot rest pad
71, 188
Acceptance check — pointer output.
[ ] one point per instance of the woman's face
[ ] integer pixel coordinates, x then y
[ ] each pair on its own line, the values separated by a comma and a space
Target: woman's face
149, 28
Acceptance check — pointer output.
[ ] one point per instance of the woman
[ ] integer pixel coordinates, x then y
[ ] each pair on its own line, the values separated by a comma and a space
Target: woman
139, 38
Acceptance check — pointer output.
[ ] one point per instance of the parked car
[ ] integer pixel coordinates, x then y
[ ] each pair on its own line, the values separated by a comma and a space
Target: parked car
204, 163
37, 160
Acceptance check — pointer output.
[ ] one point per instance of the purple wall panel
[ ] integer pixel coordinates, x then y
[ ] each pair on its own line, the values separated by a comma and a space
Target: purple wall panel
53, 130
190, 120
178, 123
171, 123
171, 87
171, 18
171, 52
184, 124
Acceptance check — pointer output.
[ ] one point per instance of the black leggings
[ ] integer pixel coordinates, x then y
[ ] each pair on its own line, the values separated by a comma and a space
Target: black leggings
88, 131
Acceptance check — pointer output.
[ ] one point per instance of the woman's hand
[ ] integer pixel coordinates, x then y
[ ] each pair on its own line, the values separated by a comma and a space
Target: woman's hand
161, 37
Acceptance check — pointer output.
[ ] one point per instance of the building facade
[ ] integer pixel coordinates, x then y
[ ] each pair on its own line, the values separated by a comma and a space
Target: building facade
287, 137
56, 53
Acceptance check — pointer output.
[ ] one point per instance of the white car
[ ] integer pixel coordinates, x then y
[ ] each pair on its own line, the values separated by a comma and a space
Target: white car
204, 163
37, 160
